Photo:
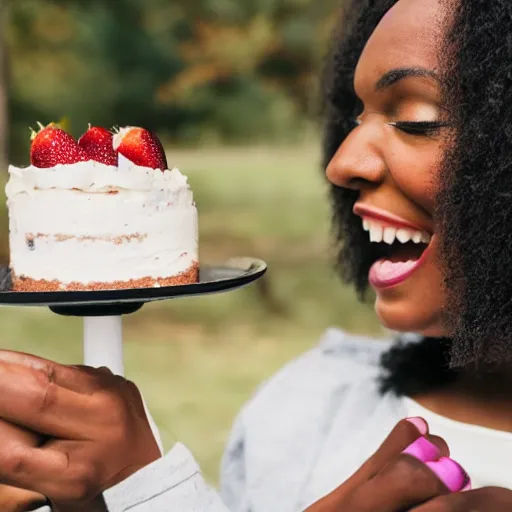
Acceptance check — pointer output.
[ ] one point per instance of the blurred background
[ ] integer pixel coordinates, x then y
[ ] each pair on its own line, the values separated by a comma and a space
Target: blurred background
231, 87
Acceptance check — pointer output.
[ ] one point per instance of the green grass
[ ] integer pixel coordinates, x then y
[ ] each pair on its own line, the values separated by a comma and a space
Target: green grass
198, 359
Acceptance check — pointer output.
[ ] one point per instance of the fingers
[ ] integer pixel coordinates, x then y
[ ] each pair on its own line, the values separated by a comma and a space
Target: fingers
451, 473
76, 378
92, 417
405, 432
92, 371
13, 499
60, 471
36, 469
49, 472
444, 449
13, 433
488, 499
33, 400
410, 467
48, 397
407, 482
427, 448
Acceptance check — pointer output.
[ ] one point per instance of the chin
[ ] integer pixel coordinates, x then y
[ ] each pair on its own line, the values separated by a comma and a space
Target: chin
402, 316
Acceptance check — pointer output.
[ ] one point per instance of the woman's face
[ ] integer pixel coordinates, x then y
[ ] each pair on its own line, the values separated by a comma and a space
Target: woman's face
392, 157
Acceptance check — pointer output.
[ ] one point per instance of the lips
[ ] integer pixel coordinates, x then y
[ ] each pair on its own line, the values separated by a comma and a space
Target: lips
404, 244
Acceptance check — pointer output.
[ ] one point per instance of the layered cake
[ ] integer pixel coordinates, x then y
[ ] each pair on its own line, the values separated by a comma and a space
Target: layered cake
104, 212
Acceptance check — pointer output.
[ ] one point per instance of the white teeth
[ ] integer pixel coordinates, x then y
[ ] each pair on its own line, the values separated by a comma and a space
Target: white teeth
404, 235
425, 238
375, 233
388, 234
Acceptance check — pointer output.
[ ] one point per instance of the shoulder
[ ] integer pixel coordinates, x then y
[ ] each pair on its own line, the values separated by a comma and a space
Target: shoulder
338, 360
312, 388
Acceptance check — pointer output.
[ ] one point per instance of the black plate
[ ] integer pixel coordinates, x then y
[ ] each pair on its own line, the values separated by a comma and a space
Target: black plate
233, 274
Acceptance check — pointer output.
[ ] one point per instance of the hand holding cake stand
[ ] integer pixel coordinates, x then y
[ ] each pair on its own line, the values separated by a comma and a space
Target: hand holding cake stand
102, 311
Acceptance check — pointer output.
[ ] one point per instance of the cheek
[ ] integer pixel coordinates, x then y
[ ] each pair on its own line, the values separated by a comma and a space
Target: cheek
414, 169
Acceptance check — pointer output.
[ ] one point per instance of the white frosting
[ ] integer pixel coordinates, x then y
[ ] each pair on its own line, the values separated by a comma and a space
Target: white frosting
96, 223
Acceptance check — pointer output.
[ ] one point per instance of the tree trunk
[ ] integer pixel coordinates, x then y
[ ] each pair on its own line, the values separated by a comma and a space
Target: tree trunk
4, 112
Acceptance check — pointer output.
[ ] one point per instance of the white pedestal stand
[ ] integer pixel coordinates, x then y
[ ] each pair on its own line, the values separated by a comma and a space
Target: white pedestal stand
103, 343
103, 347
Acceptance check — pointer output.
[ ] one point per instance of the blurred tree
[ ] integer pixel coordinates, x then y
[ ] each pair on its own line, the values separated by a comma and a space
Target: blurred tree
251, 65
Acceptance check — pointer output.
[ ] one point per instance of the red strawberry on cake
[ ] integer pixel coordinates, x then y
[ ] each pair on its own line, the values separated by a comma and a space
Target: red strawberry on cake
51, 146
97, 142
141, 147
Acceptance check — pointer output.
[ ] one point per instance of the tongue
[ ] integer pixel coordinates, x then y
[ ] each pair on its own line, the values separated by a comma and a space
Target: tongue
390, 270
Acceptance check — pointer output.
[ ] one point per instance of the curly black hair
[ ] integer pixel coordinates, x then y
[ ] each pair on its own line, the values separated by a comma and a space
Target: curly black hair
474, 203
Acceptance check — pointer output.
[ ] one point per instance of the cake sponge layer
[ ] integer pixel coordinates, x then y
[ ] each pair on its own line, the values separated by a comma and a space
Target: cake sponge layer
189, 276
85, 223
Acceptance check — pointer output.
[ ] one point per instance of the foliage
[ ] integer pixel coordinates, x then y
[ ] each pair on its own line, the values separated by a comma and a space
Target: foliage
194, 70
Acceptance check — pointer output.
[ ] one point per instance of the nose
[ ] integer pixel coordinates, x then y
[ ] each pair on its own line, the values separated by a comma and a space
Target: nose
359, 160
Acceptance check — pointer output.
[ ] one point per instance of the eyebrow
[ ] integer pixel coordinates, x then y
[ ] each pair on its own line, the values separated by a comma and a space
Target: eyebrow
395, 75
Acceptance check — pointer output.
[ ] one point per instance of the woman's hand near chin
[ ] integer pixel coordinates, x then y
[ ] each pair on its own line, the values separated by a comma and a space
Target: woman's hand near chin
97, 430
410, 468
412, 471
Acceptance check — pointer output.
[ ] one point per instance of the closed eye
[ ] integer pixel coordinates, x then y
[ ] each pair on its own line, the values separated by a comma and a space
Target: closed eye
425, 128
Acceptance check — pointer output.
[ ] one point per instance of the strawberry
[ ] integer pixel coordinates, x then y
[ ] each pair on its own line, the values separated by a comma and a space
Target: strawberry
51, 146
141, 147
98, 144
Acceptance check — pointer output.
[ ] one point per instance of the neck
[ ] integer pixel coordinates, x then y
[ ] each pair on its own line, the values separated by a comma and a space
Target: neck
475, 397
488, 385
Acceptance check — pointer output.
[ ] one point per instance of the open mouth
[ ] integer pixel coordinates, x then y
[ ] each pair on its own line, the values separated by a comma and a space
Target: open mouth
401, 250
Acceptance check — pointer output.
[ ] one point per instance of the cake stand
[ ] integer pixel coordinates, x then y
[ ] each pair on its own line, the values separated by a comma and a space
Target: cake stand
102, 311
